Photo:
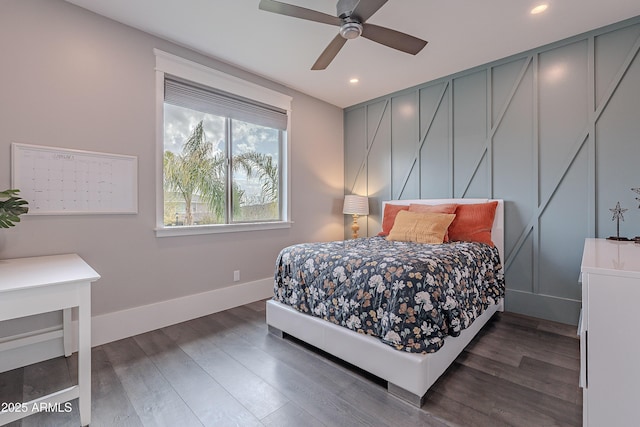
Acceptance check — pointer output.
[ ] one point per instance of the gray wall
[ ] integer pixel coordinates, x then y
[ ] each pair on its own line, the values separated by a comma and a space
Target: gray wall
555, 132
70, 78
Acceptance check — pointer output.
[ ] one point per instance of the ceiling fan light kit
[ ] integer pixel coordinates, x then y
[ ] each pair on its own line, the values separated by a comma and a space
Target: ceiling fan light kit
351, 18
351, 30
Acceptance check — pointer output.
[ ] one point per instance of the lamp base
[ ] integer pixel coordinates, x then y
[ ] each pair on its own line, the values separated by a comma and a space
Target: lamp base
355, 227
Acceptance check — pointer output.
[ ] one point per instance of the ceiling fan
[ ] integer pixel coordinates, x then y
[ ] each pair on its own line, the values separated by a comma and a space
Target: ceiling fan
351, 18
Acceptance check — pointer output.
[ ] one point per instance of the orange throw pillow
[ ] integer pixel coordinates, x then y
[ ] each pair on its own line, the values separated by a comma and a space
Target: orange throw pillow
473, 223
420, 227
389, 217
447, 208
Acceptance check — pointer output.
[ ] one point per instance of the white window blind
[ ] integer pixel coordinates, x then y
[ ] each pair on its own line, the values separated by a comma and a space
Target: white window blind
193, 96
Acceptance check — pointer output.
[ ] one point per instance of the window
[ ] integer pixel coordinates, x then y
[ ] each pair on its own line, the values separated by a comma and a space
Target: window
223, 150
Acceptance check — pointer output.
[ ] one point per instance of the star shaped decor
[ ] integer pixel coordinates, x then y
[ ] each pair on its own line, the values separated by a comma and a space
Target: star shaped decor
637, 190
617, 216
617, 212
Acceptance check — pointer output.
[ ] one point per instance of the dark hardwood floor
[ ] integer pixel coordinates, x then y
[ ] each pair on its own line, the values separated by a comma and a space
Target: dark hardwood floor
226, 370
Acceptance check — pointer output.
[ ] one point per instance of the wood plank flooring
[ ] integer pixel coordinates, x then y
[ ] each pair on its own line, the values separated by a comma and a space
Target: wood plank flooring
226, 370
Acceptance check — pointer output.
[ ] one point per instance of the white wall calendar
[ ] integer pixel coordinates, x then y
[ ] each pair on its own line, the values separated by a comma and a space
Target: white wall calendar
63, 181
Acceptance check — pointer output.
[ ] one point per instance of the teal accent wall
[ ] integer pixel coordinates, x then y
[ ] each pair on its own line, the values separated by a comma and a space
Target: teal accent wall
554, 131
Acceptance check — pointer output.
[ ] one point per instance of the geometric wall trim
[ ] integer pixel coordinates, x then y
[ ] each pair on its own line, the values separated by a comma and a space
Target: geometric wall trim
554, 131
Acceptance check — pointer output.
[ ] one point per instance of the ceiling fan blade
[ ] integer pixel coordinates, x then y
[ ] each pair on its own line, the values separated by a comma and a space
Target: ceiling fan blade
366, 8
329, 53
298, 12
392, 38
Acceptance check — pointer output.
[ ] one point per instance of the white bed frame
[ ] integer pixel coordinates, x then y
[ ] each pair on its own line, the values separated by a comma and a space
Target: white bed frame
408, 375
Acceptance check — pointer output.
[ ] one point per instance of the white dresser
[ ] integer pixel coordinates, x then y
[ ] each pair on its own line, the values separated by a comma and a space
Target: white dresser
610, 333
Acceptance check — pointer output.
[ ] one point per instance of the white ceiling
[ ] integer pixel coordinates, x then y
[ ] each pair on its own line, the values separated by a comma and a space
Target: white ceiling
461, 34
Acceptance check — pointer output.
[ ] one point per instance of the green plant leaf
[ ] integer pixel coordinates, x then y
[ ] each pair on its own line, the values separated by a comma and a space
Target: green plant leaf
11, 208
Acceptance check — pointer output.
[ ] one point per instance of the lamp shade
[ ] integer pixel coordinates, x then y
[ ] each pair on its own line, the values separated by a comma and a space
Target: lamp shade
355, 205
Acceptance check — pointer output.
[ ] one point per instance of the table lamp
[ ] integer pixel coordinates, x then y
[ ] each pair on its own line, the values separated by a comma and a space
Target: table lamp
356, 206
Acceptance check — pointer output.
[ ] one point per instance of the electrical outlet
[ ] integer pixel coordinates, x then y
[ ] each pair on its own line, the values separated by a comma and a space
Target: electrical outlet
236, 276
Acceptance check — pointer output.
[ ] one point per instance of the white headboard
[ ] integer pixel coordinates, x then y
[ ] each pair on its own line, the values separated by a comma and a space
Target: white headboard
497, 231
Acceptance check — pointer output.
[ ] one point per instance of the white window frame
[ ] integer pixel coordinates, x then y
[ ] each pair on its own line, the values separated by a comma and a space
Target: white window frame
173, 65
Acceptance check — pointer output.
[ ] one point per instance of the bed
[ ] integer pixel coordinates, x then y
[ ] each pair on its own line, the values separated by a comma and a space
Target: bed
410, 355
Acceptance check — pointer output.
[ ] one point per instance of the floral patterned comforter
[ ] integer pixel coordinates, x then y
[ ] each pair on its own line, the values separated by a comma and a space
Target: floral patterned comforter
410, 295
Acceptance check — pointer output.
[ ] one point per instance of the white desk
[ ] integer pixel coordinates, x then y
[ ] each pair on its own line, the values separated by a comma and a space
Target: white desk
42, 284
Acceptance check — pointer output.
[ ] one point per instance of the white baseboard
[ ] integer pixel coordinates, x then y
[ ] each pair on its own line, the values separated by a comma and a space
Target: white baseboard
117, 325
110, 327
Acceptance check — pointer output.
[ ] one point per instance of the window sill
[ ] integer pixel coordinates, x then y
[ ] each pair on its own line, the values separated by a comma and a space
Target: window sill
220, 228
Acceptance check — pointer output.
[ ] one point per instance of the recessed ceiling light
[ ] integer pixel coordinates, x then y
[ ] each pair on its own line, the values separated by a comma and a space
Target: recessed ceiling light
539, 9
354, 80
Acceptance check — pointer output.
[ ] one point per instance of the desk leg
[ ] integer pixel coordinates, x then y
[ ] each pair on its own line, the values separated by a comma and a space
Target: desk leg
66, 331
84, 354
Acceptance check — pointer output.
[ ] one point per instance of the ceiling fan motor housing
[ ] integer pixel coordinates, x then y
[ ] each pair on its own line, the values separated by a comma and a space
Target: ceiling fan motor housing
351, 27
345, 8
